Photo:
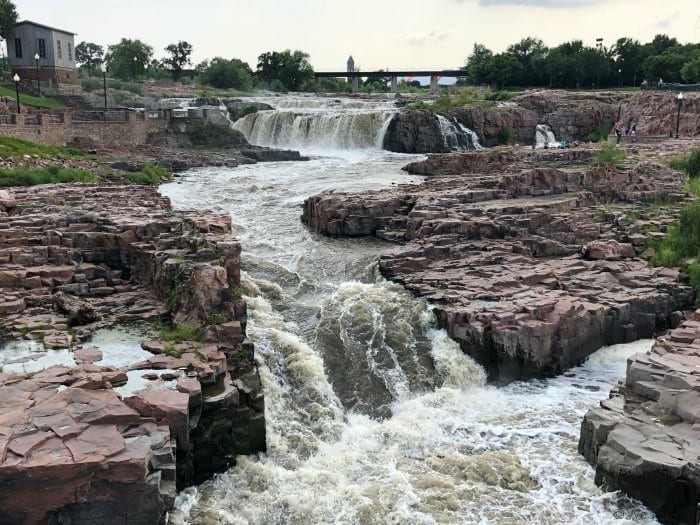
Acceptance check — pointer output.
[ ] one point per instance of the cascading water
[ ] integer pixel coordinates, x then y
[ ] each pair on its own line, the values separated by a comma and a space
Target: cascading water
544, 137
457, 137
325, 123
373, 415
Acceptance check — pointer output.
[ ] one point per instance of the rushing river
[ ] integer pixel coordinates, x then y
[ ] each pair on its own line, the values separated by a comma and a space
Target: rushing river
373, 415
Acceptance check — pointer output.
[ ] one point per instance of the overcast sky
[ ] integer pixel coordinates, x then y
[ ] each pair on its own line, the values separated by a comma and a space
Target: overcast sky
378, 33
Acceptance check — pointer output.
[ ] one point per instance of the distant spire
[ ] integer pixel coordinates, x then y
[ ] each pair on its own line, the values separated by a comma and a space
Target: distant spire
351, 64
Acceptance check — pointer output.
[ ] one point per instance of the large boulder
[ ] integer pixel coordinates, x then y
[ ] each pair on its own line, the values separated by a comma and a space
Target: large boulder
415, 131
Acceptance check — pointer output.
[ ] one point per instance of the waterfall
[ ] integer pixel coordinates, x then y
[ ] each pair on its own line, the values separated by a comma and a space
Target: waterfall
457, 137
544, 137
318, 123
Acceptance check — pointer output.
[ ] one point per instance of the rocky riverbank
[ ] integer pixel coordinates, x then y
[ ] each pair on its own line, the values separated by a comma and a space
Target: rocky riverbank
529, 268
571, 117
644, 439
101, 436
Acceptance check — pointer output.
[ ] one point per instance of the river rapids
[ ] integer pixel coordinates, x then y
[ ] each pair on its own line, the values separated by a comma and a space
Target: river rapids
374, 416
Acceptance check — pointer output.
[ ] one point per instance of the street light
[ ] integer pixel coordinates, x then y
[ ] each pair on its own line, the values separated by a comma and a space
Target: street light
679, 98
599, 48
136, 71
619, 78
16, 79
104, 82
38, 83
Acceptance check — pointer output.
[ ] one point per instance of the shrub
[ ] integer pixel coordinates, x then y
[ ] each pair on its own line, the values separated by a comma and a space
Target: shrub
178, 334
601, 132
151, 175
610, 154
505, 135
278, 86
689, 164
90, 84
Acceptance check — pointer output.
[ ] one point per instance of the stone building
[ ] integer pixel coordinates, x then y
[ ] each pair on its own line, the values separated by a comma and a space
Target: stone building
55, 49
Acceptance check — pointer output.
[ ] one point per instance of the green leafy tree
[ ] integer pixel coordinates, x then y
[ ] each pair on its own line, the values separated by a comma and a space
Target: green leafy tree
8, 18
479, 64
505, 70
530, 53
128, 59
691, 71
290, 69
89, 56
179, 57
225, 74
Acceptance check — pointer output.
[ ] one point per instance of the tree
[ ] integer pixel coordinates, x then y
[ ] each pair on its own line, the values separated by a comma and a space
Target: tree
224, 74
89, 56
479, 64
127, 59
8, 18
691, 70
530, 53
179, 57
505, 70
290, 69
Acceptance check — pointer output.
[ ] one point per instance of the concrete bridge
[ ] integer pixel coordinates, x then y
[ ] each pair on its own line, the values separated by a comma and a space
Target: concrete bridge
393, 75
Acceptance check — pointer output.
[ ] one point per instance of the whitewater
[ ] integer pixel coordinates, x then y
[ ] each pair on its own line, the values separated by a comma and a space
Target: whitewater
373, 415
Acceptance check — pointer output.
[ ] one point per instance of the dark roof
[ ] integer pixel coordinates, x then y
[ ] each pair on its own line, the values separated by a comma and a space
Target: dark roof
44, 26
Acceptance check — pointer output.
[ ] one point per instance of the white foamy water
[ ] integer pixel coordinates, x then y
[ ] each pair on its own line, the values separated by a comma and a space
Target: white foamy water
374, 416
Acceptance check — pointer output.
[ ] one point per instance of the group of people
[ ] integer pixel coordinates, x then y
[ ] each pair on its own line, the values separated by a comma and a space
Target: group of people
625, 130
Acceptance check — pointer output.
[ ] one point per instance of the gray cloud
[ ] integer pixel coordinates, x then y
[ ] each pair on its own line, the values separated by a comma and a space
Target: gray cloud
434, 36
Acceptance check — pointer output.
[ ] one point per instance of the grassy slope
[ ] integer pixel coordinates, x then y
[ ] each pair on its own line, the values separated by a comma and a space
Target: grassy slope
39, 102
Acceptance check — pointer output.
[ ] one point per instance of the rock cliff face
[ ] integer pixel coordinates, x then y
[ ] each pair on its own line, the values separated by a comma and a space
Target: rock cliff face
645, 439
571, 116
90, 443
414, 131
525, 270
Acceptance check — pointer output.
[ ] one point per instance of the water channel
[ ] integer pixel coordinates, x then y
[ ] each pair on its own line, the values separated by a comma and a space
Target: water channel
409, 433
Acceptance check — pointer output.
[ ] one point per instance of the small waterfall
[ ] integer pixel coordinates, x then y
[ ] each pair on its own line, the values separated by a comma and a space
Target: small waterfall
304, 122
224, 112
327, 130
544, 137
457, 137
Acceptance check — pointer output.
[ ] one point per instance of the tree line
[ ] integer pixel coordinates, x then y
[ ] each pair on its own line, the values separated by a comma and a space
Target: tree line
572, 65
133, 60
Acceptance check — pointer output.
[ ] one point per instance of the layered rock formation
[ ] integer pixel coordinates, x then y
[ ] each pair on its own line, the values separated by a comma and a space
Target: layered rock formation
645, 439
529, 269
571, 116
84, 442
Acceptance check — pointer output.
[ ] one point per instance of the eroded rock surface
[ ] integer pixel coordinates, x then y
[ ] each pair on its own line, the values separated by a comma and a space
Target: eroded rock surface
89, 443
645, 439
530, 269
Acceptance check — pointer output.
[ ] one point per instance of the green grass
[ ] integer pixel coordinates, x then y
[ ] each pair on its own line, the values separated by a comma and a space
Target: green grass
12, 147
688, 164
178, 334
39, 102
47, 175
610, 154
151, 175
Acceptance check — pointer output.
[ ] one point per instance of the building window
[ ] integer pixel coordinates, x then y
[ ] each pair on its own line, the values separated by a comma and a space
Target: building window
42, 48
18, 47
58, 49
70, 52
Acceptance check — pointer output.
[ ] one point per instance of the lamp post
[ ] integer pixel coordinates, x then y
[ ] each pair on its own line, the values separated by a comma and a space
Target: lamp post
619, 78
16, 79
38, 83
599, 47
104, 83
679, 98
136, 71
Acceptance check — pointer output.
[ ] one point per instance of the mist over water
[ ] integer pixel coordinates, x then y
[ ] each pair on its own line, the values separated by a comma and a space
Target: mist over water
374, 416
